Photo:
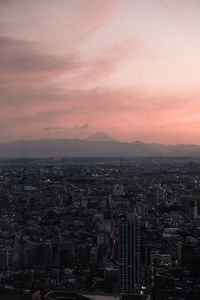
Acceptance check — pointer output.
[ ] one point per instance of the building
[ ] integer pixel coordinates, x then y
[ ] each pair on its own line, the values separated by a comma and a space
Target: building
129, 254
35, 296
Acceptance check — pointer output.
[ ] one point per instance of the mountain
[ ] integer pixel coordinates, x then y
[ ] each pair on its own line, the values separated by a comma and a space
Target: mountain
99, 137
84, 148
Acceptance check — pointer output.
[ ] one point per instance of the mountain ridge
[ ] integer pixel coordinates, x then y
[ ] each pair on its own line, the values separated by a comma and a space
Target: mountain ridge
100, 136
43, 148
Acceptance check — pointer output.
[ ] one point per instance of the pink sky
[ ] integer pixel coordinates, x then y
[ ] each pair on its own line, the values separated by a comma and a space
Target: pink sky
130, 68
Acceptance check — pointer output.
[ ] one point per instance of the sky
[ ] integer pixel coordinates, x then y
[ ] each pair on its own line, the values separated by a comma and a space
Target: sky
130, 68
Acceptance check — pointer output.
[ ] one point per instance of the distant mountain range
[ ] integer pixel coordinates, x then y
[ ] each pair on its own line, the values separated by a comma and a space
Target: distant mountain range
97, 145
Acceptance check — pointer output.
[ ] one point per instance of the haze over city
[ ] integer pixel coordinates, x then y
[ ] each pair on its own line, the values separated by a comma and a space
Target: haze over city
71, 68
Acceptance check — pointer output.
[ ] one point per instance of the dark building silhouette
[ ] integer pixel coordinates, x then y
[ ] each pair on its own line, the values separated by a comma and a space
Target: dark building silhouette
129, 254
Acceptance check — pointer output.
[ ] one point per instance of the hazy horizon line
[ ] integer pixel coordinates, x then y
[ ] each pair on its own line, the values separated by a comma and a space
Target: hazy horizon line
108, 141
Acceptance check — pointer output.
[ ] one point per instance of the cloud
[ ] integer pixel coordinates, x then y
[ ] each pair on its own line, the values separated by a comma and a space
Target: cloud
20, 56
33, 81
82, 127
54, 128
31, 118
59, 26
7, 2
22, 61
38, 86
127, 113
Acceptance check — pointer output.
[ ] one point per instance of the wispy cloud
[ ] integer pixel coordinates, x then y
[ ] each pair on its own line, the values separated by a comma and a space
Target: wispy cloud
76, 127
7, 2
84, 126
21, 56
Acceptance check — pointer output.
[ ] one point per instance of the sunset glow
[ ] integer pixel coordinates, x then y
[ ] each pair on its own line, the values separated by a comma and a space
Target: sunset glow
130, 68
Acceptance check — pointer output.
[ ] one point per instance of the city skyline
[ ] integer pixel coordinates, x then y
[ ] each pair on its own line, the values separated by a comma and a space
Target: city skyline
127, 68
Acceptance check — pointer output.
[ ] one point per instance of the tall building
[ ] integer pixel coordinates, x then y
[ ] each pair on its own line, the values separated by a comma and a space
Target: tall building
129, 254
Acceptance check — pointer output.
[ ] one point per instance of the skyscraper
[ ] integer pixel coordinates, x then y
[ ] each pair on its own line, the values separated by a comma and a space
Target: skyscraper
129, 254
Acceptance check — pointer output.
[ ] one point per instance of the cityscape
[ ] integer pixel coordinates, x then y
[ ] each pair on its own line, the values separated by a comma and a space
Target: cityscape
122, 228
99, 150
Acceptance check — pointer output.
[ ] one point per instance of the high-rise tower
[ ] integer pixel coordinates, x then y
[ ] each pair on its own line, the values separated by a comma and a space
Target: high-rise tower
129, 254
